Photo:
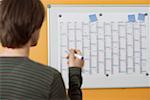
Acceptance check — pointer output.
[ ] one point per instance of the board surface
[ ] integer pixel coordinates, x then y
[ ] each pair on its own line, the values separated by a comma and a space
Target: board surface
114, 41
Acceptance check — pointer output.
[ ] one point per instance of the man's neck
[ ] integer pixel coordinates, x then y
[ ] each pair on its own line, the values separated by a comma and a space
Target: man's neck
21, 52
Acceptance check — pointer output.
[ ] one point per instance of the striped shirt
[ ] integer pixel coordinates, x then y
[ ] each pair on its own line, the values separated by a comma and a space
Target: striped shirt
24, 79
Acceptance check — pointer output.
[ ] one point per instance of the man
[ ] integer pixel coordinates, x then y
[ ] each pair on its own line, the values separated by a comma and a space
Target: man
20, 77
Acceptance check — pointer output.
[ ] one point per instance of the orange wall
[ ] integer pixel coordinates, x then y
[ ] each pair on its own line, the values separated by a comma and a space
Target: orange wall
39, 53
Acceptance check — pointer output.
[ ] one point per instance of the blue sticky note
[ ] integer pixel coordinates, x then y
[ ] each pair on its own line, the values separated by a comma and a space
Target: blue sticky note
141, 17
131, 18
93, 18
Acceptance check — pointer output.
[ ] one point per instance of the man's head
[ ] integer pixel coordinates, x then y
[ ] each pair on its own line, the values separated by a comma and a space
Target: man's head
20, 22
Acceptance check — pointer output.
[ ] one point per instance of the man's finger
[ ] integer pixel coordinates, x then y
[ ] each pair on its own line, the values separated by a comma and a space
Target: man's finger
72, 50
71, 54
67, 56
78, 52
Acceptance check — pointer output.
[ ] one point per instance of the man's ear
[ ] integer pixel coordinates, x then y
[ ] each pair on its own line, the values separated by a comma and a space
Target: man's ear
34, 39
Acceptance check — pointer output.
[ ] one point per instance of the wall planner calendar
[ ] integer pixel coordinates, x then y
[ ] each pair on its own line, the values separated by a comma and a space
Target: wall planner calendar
114, 40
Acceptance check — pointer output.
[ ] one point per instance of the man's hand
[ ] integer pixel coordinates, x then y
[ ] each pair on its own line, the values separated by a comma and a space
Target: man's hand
74, 61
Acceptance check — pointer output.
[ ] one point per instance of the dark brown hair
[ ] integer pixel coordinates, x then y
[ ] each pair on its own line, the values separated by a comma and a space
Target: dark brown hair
18, 20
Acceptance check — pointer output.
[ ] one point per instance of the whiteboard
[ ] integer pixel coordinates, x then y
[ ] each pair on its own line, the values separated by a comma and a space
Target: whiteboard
114, 40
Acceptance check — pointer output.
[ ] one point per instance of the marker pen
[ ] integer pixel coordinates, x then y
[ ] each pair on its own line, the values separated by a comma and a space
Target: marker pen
76, 55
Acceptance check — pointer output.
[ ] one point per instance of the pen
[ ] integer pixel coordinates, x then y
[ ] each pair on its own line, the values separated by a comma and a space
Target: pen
76, 55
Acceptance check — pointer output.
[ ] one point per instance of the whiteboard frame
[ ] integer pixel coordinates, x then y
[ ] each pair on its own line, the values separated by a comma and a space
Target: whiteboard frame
89, 5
